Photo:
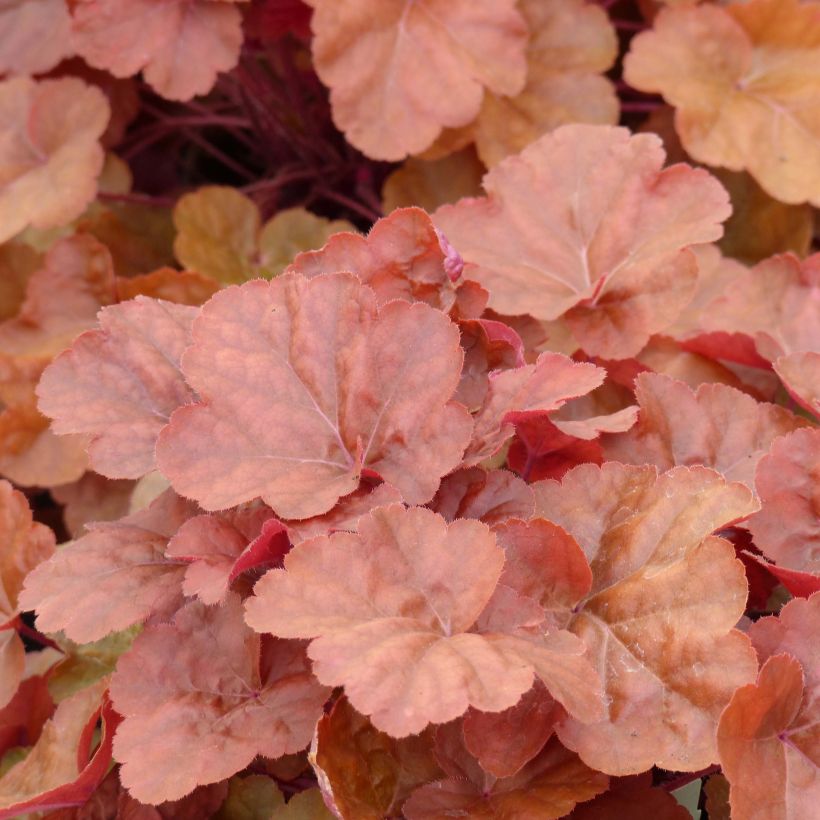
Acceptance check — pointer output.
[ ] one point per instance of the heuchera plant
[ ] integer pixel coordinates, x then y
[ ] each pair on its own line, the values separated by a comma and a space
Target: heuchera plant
409, 409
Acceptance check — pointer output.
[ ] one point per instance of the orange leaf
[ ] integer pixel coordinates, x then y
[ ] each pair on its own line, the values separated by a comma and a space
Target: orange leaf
787, 529
56, 772
114, 576
12, 664
740, 78
51, 156
390, 609
546, 788
660, 614
800, 373
179, 45
253, 696
769, 745
307, 416
615, 264
716, 426
120, 383
365, 773
572, 44
400, 71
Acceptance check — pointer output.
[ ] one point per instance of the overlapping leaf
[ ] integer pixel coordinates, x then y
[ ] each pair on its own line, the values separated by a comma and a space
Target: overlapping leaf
34, 35
716, 426
399, 71
742, 81
203, 696
658, 620
121, 383
614, 263
50, 156
180, 46
115, 576
305, 385
390, 610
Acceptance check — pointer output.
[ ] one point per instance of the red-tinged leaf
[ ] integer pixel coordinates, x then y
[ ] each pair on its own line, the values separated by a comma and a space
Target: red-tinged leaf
488, 345
364, 773
12, 664
403, 257
787, 529
540, 450
740, 69
215, 544
346, 514
660, 614
545, 788
267, 550
794, 631
390, 608
761, 581
307, 417
205, 801
633, 798
490, 496
51, 156
23, 717
34, 35
614, 264
800, 373
58, 771
800, 584
776, 303
503, 742
180, 46
252, 696
25, 544
272, 19
716, 426
769, 744
392, 98
516, 395
121, 383
115, 576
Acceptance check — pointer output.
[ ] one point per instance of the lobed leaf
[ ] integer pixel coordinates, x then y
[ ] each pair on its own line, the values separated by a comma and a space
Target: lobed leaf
210, 687
291, 410
615, 264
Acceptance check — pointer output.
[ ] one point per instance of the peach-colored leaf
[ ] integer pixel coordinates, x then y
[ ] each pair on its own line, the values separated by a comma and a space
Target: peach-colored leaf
179, 45
56, 772
633, 798
572, 44
716, 426
50, 155
615, 263
291, 410
490, 496
800, 373
403, 257
523, 393
399, 71
114, 576
792, 631
777, 303
92, 498
34, 35
346, 514
390, 608
741, 82
431, 183
252, 696
363, 772
769, 744
659, 618
121, 383
787, 480
213, 544
544, 789
25, 544
185, 287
